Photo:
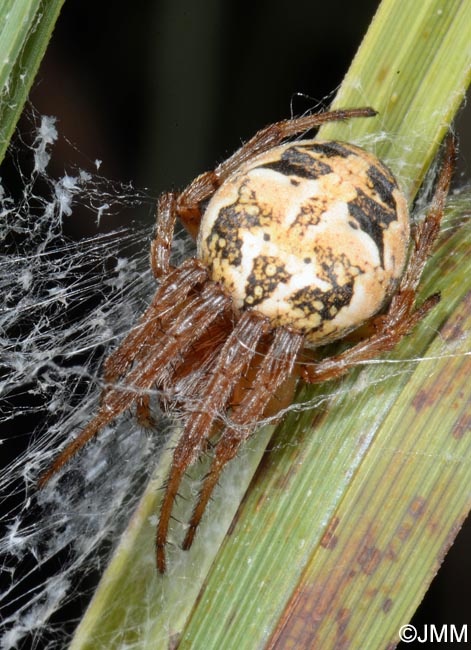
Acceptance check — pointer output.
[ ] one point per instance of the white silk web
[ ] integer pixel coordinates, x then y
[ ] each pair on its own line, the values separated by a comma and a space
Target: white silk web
62, 305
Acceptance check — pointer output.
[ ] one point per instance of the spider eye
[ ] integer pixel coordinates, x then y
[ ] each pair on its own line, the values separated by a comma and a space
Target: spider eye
312, 234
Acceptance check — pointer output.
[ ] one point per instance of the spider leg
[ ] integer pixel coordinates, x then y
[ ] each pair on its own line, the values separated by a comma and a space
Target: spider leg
162, 243
204, 186
391, 328
428, 231
275, 368
401, 315
143, 414
234, 357
189, 324
190, 375
167, 299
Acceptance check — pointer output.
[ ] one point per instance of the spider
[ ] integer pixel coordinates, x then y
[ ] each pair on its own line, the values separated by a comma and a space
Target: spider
299, 242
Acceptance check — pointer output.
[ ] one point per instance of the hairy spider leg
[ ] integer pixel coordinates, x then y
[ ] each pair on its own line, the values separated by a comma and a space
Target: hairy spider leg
190, 323
168, 297
146, 336
190, 373
402, 315
233, 359
197, 358
429, 229
160, 263
276, 367
161, 246
188, 202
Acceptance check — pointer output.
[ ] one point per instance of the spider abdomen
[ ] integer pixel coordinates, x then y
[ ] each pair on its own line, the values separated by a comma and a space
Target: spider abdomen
312, 234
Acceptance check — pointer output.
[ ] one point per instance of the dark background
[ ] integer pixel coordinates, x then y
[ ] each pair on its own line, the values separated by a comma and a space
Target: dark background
161, 90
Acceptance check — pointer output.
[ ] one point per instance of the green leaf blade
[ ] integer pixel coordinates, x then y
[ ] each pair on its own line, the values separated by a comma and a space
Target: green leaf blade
416, 80
26, 27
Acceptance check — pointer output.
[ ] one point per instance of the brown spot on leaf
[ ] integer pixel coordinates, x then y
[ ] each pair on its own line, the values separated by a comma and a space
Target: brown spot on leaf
462, 426
422, 400
404, 531
260, 501
417, 507
318, 418
453, 329
343, 618
369, 559
388, 603
329, 539
371, 593
434, 526
319, 599
391, 552
305, 614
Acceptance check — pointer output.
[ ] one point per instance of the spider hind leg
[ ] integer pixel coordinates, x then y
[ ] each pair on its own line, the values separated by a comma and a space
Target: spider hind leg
275, 368
233, 359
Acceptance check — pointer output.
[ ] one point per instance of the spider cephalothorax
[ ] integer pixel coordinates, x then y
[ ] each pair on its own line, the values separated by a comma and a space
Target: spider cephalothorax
298, 244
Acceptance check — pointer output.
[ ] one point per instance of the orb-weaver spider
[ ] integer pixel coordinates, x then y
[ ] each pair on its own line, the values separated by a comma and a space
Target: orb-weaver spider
298, 244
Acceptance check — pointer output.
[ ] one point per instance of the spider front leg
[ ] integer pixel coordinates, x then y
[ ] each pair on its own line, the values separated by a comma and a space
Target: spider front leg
175, 285
204, 186
171, 293
161, 245
401, 315
192, 321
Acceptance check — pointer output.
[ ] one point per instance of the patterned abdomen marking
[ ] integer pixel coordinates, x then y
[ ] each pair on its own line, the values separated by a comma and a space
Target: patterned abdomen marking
312, 234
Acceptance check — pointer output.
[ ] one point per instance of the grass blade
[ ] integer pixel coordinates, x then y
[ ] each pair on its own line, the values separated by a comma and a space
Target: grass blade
25, 29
